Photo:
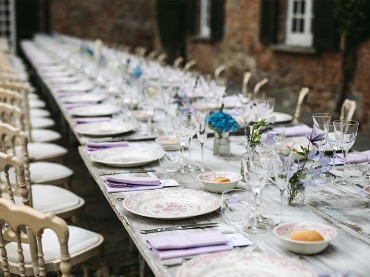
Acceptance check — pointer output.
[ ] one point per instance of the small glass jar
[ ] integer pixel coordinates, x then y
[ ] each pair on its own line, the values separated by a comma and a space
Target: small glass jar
221, 144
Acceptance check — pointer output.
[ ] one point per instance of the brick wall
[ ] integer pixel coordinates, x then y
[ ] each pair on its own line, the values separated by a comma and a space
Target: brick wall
133, 22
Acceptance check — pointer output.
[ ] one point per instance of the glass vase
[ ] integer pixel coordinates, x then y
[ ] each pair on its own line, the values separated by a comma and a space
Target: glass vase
296, 194
221, 144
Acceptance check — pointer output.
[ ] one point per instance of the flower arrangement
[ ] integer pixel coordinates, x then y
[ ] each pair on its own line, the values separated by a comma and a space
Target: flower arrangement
312, 164
258, 129
222, 122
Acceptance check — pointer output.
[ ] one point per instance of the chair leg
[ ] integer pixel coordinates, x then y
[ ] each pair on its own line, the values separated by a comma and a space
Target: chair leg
103, 263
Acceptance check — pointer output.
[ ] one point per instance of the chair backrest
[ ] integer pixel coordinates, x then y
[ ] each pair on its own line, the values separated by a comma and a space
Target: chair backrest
246, 78
348, 109
298, 110
162, 58
153, 54
258, 86
14, 218
10, 97
13, 141
178, 61
190, 65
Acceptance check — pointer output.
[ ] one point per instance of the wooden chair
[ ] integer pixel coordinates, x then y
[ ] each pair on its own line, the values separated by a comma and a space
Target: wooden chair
47, 245
298, 110
218, 75
348, 110
178, 62
45, 196
190, 65
258, 86
37, 132
246, 78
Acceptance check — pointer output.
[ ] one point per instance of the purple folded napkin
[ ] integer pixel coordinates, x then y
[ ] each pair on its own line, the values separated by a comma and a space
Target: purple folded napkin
113, 187
81, 120
94, 146
122, 180
292, 131
76, 105
69, 93
180, 245
353, 158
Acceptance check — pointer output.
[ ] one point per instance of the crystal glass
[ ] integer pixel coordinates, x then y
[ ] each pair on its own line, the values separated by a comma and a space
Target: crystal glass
356, 168
282, 171
202, 123
256, 165
235, 206
263, 107
188, 122
320, 124
331, 141
182, 137
345, 133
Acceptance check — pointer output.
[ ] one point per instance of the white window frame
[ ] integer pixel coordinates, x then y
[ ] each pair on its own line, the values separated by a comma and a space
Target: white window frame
205, 18
7, 23
305, 38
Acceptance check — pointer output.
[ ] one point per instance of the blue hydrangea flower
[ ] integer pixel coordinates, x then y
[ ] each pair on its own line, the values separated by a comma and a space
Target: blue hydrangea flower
222, 122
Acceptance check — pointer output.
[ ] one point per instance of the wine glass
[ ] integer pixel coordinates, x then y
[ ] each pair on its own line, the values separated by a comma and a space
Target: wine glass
332, 142
282, 171
345, 133
182, 137
263, 106
256, 168
202, 122
188, 122
320, 125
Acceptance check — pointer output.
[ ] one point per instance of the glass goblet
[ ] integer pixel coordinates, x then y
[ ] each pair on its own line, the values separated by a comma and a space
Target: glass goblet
345, 133
202, 122
331, 141
256, 168
320, 124
282, 171
182, 137
263, 107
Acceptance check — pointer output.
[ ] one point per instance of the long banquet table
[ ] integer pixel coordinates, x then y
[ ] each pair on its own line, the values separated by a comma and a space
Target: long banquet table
338, 206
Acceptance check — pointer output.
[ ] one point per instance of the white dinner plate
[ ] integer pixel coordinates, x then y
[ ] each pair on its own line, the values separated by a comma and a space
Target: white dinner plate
96, 97
106, 128
282, 117
171, 203
238, 264
95, 110
75, 87
127, 156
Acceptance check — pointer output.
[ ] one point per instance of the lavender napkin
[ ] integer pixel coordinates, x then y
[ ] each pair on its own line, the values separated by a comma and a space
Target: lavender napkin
94, 146
69, 93
299, 130
81, 120
180, 245
124, 180
76, 105
353, 158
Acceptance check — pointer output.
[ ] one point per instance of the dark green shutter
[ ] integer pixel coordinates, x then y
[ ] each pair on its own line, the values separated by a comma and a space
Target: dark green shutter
325, 34
269, 21
217, 19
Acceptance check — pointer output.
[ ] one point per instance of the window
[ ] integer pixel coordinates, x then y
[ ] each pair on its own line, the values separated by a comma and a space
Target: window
205, 18
208, 19
298, 25
308, 24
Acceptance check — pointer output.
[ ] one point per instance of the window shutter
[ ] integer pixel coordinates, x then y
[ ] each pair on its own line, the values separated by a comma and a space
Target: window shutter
326, 36
217, 19
269, 21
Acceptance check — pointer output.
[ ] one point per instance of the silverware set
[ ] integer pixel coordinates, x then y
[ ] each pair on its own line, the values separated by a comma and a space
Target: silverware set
180, 227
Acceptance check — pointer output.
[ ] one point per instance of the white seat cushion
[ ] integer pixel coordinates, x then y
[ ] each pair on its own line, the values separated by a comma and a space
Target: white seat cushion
36, 103
79, 239
44, 135
32, 95
41, 150
41, 122
45, 172
39, 113
48, 198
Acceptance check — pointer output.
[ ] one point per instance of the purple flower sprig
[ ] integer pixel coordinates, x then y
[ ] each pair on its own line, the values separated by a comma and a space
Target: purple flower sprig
309, 174
258, 129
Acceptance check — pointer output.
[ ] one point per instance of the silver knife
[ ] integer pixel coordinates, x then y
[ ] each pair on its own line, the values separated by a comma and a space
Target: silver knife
128, 171
180, 227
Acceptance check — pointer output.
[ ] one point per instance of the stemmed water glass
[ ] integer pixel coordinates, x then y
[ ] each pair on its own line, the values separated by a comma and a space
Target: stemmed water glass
188, 122
202, 122
320, 124
256, 168
182, 137
282, 168
332, 142
263, 106
345, 133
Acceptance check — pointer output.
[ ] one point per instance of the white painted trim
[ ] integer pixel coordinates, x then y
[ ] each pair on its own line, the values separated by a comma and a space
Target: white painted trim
205, 18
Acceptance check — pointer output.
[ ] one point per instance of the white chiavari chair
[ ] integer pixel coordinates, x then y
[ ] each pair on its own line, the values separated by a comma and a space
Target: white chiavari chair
301, 98
348, 109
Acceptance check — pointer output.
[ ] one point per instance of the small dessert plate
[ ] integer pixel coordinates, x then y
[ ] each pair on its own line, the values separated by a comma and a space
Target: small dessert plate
169, 143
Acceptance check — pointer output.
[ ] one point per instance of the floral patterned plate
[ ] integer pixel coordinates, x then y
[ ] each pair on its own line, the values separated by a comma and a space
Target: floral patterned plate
95, 110
84, 98
171, 203
107, 128
127, 156
239, 264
